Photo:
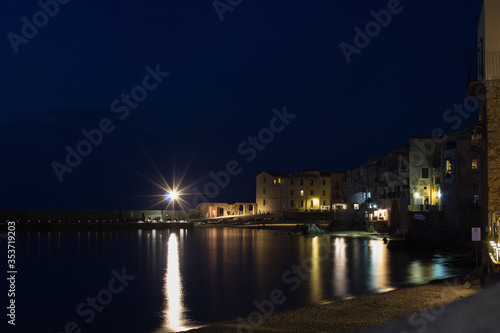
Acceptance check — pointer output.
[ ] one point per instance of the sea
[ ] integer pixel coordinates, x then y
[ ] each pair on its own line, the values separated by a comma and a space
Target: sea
175, 280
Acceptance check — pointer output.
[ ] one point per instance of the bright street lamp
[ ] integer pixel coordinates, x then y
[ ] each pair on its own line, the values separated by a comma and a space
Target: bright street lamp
174, 195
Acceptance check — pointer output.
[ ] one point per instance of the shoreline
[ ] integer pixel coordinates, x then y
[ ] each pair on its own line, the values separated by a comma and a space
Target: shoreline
354, 314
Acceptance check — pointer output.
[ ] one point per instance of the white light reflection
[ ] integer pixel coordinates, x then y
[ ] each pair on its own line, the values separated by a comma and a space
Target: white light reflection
316, 285
174, 313
379, 262
340, 269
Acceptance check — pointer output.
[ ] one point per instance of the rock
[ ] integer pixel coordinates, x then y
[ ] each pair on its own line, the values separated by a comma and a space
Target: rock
308, 229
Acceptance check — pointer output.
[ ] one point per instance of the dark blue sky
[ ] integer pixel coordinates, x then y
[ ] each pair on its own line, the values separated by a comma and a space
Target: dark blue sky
225, 78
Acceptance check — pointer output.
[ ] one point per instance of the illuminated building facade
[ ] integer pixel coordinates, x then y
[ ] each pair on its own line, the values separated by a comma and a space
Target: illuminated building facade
425, 173
305, 191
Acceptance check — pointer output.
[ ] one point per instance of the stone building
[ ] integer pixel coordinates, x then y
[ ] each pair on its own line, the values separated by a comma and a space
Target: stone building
392, 190
221, 209
362, 183
461, 178
486, 87
270, 191
425, 173
379, 188
305, 191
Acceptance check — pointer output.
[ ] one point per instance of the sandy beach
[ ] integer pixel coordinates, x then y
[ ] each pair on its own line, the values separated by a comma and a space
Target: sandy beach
356, 314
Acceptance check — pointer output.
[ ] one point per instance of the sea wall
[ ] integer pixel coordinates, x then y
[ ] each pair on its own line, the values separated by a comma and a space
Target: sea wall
45, 215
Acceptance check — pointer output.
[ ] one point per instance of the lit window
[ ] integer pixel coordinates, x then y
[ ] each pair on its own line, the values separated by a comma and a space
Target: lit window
301, 193
474, 164
448, 167
276, 181
356, 206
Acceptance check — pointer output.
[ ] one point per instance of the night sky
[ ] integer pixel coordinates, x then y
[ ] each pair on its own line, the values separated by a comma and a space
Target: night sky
225, 78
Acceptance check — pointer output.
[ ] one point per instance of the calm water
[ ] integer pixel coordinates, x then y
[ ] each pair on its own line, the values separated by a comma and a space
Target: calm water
161, 281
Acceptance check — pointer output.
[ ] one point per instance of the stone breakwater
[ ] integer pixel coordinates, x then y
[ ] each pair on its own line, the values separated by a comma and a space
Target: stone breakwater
55, 215
49, 219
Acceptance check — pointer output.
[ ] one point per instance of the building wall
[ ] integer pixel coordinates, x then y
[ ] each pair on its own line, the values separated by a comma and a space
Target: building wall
219, 209
489, 75
307, 192
269, 192
393, 189
424, 168
337, 181
493, 157
311, 190
461, 190
492, 40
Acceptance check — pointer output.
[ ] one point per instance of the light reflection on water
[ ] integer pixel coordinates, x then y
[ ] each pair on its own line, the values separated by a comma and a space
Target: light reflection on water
188, 278
339, 273
174, 319
378, 263
317, 290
